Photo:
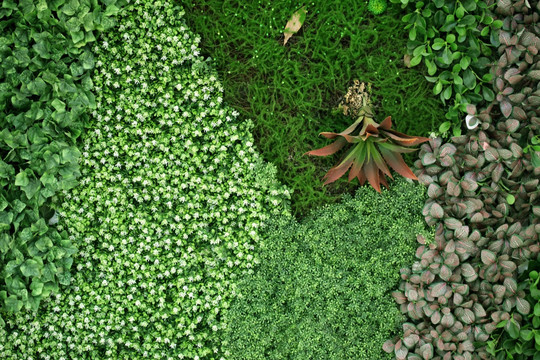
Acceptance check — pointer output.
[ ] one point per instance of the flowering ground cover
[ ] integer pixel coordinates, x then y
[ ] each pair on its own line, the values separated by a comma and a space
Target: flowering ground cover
139, 220
170, 204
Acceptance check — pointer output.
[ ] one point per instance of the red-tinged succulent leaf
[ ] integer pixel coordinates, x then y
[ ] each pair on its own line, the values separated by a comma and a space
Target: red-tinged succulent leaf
377, 158
499, 83
447, 149
448, 320
461, 289
386, 123
411, 340
403, 139
434, 191
477, 218
499, 290
523, 306
396, 162
466, 315
491, 154
452, 260
519, 113
372, 174
328, 149
468, 271
469, 185
510, 284
399, 297
488, 257
426, 351
497, 173
388, 346
479, 310
508, 266
436, 211
438, 289
506, 108
534, 74
361, 178
452, 223
510, 72
516, 241
513, 80
445, 273
427, 277
336, 172
428, 159
462, 232
504, 37
350, 139
401, 352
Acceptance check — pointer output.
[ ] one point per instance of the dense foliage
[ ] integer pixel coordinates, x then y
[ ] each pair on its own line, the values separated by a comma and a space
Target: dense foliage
322, 290
170, 206
290, 91
485, 203
520, 340
376, 147
45, 97
455, 41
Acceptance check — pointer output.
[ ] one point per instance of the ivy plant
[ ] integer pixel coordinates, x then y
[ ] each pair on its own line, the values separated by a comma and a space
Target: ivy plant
45, 95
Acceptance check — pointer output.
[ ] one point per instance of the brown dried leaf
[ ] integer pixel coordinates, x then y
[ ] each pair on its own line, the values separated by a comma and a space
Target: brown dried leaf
294, 24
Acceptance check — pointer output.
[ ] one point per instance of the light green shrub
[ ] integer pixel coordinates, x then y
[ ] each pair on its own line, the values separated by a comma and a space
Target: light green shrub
170, 206
322, 290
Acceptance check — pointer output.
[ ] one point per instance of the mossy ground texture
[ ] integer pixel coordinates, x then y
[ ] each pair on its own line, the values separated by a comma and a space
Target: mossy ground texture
290, 91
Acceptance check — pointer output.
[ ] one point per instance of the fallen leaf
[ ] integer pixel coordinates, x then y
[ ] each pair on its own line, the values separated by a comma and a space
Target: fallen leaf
407, 60
294, 24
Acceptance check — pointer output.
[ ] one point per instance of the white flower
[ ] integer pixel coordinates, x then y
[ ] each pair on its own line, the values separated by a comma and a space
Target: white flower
471, 121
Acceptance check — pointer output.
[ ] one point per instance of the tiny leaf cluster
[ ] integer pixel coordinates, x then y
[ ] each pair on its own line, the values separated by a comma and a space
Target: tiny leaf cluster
322, 289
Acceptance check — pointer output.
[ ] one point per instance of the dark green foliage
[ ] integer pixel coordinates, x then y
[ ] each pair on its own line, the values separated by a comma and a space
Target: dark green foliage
485, 202
322, 290
520, 340
290, 91
454, 40
45, 97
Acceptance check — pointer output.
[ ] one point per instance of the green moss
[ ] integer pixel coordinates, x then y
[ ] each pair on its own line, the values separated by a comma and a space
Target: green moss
377, 7
289, 91
322, 290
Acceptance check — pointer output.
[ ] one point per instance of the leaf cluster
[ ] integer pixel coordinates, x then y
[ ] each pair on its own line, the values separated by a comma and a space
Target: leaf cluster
376, 147
455, 41
322, 289
484, 199
45, 96
520, 340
